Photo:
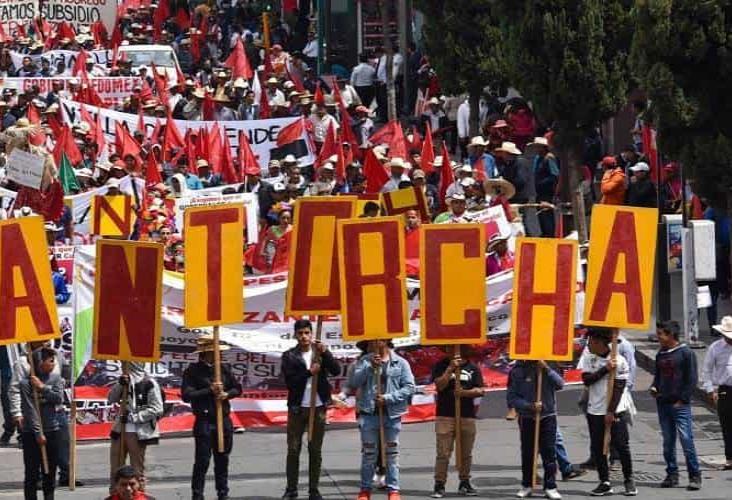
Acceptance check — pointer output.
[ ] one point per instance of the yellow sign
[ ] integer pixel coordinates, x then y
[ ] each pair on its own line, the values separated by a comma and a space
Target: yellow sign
214, 270
620, 267
112, 215
27, 300
542, 308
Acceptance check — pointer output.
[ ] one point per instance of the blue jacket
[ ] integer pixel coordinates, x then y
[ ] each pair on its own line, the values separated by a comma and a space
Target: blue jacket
521, 393
676, 375
60, 289
398, 389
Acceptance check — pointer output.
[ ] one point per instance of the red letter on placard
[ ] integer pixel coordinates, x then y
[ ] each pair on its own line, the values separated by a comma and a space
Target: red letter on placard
560, 299
213, 222
623, 241
15, 255
389, 280
123, 225
128, 301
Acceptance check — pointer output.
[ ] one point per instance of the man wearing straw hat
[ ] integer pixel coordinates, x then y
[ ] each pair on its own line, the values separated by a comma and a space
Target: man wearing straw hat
200, 390
299, 370
717, 377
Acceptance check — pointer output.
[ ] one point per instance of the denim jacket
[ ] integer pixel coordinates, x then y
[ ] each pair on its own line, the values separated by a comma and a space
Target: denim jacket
397, 391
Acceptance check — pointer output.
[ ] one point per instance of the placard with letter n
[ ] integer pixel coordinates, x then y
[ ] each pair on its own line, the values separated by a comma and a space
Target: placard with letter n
372, 276
214, 272
27, 299
620, 267
111, 215
452, 284
313, 285
542, 307
127, 297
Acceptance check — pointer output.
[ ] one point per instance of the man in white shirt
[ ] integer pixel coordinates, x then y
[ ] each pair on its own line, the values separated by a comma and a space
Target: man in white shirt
362, 79
606, 408
322, 121
275, 97
463, 127
397, 167
717, 382
310, 51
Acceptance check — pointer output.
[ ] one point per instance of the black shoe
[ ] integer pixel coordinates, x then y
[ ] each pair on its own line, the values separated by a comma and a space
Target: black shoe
695, 483
63, 482
289, 494
439, 490
588, 464
5, 439
671, 481
630, 489
315, 495
466, 489
602, 490
574, 472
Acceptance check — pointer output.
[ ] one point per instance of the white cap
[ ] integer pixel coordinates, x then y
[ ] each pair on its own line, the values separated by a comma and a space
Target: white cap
467, 169
278, 187
328, 166
640, 167
468, 181
457, 197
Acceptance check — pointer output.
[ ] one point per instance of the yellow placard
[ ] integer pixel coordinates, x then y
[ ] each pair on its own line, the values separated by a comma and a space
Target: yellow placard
214, 282
127, 297
452, 290
27, 300
372, 278
112, 215
543, 303
620, 270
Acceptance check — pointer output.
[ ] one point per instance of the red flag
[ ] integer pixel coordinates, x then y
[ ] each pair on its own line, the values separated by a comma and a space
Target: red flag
180, 77
172, 137
319, 97
416, 142
428, 152
247, 160
155, 136
80, 63
346, 130
202, 148
116, 40
374, 172
3, 37
295, 79
141, 122
264, 111
291, 133
340, 167
398, 144
65, 30
228, 173
384, 134
33, 115
152, 173
146, 92
238, 62
208, 107
99, 135
196, 42
215, 148
129, 146
159, 16
648, 136
55, 125
446, 176
330, 146
191, 151
20, 31
99, 32
66, 144
182, 19
161, 84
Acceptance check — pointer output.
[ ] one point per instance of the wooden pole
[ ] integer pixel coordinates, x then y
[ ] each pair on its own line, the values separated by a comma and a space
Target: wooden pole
537, 424
315, 358
458, 414
123, 410
217, 381
37, 404
382, 436
610, 388
72, 444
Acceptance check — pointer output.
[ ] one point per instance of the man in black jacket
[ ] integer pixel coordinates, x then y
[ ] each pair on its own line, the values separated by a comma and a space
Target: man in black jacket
201, 391
641, 191
309, 358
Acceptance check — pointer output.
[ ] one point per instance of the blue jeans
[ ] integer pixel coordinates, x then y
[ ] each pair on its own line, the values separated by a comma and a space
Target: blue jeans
565, 466
369, 427
673, 420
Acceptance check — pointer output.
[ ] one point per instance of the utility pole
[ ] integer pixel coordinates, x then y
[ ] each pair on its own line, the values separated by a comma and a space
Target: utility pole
389, 51
404, 29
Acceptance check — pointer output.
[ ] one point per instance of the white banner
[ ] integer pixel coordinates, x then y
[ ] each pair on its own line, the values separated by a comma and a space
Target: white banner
81, 12
25, 168
7, 198
197, 199
14, 13
112, 89
262, 133
100, 58
80, 205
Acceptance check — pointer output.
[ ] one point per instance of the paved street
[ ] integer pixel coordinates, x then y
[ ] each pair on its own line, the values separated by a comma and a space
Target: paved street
257, 469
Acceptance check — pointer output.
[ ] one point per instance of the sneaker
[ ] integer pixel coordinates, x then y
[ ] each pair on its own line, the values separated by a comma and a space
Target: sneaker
552, 494
466, 489
524, 492
315, 495
671, 481
602, 490
630, 489
439, 490
695, 483
364, 495
574, 472
511, 415
394, 495
290, 494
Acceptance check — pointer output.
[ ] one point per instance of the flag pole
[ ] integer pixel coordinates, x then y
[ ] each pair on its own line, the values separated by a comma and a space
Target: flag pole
537, 424
37, 405
458, 413
123, 411
217, 381
315, 358
610, 387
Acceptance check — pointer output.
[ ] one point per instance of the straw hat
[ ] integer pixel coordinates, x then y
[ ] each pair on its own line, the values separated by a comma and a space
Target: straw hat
495, 239
499, 186
725, 327
510, 148
397, 162
477, 141
540, 141
205, 343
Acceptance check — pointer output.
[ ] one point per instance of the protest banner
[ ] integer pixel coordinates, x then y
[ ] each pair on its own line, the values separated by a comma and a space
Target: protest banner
452, 274
542, 311
113, 90
25, 168
494, 219
403, 200
209, 198
80, 12
314, 286
100, 58
372, 273
128, 287
27, 301
262, 134
213, 272
17, 13
621, 263
7, 199
112, 215
64, 258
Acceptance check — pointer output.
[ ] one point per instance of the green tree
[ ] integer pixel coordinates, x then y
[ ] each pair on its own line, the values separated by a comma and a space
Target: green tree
682, 54
464, 43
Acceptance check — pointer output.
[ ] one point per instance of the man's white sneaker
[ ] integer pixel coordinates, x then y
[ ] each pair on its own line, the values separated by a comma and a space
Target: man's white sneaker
524, 493
552, 494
